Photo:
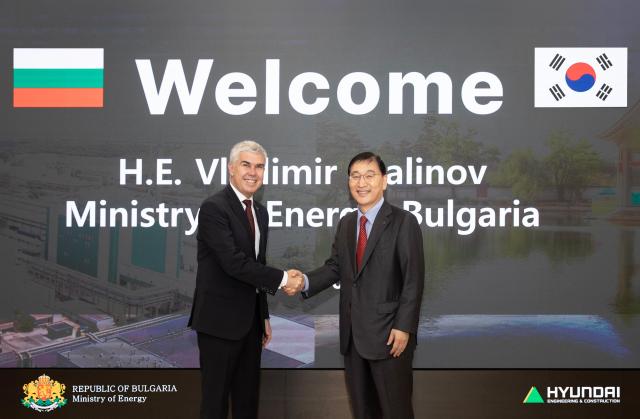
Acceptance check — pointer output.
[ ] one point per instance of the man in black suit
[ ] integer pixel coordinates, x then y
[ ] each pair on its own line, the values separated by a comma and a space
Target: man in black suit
230, 310
377, 257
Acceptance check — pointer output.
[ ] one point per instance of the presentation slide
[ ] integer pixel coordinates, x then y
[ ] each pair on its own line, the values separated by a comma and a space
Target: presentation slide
510, 131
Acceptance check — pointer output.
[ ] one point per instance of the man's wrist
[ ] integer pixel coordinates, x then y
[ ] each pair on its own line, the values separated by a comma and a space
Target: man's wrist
285, 279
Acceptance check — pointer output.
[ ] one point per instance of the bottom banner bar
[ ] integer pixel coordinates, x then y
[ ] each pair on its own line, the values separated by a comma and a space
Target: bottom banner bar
309, 394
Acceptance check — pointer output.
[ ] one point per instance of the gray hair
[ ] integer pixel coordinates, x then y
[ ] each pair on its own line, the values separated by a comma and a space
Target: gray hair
247, 145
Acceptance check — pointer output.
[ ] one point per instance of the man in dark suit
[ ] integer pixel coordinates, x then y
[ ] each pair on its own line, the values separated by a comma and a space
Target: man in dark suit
378, 258
230, 310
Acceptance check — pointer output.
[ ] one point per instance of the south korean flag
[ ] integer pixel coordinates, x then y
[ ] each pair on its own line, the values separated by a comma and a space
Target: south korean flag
580, 77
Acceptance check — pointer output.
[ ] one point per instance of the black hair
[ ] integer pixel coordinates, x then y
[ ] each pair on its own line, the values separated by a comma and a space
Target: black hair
368, 156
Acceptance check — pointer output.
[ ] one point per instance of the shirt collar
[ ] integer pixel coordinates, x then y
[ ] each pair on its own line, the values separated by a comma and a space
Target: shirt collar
371, 212
240, 196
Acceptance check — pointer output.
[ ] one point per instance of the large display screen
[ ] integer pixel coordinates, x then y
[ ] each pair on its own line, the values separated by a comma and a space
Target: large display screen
511, 131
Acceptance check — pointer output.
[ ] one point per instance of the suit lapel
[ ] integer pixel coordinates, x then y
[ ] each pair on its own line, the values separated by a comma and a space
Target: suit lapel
262, 225
379, 225
236, 207
350, 228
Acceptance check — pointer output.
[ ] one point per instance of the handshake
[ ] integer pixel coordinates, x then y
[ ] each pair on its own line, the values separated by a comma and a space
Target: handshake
295, 282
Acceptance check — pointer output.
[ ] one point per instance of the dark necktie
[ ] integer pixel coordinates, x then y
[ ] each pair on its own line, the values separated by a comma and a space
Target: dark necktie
362, 241
247, 210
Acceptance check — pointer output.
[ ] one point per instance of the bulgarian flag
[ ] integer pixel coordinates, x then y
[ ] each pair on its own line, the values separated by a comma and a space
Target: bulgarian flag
58, 77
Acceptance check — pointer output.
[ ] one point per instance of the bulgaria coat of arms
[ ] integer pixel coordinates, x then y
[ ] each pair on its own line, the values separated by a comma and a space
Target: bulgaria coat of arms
44, 394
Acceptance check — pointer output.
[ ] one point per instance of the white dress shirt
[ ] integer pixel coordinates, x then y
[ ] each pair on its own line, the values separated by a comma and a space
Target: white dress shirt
241, 197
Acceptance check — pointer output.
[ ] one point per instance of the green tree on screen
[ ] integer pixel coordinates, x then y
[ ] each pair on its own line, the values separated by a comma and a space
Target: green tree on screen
571, 165
446, 144
524, 173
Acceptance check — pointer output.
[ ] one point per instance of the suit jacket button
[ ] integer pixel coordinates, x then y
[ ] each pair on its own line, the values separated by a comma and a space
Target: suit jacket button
355, 285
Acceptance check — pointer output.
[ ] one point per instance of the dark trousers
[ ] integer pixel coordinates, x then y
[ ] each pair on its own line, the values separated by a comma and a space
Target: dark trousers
380, 388
230, 368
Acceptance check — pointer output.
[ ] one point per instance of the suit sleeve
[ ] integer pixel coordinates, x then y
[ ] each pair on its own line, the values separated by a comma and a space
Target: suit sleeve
328, 274
215, 231
264, 305
411, 255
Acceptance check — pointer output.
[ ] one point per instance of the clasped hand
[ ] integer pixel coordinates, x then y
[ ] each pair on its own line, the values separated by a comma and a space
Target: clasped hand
295, 282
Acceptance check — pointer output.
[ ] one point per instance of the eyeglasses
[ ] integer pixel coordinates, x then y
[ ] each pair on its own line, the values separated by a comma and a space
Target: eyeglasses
368, 177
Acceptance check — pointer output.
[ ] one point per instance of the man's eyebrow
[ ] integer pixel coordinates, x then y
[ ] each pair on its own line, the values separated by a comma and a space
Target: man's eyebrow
249, 163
